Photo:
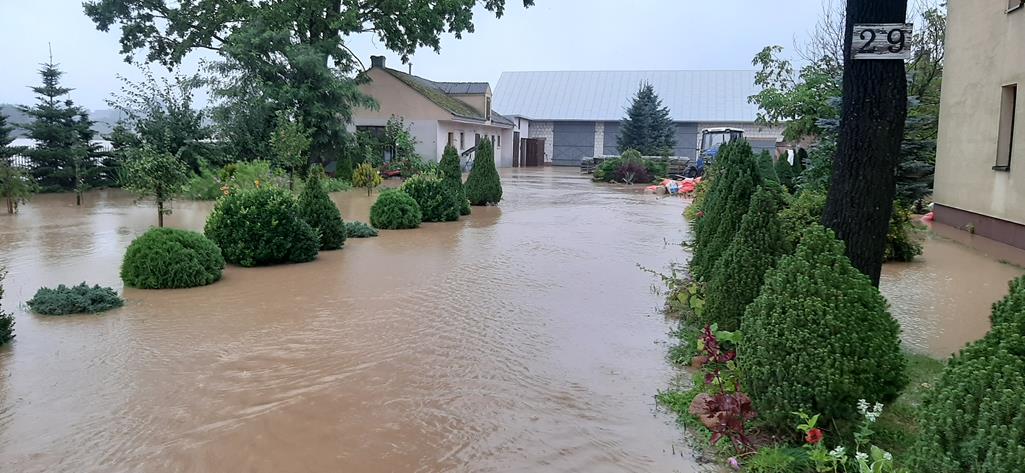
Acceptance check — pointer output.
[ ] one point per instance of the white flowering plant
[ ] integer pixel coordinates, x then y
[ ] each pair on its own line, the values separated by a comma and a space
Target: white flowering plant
867, 458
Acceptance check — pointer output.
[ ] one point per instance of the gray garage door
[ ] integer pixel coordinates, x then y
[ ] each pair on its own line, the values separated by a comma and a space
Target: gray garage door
572, 141
611, 145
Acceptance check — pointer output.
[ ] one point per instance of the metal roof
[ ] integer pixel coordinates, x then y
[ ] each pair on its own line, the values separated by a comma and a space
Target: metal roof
692, 96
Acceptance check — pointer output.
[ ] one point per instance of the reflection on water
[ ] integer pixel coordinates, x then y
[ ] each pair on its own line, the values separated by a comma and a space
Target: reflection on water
522, 338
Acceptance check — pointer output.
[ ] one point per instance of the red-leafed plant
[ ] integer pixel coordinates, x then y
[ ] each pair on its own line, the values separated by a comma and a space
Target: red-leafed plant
726, 410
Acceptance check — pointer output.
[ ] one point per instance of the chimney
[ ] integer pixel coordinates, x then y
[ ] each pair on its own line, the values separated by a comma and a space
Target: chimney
377, 61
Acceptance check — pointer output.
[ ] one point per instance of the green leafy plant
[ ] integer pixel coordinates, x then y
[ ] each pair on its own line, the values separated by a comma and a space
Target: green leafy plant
6, 318
168, 258
212, 184
900, 239
336, 184
453, 176
290, 143
395, 210
359, 230
80, 299
317, 209
367, 177
867, 457
819, 336
258, 227
483, 185
697, 205
150, 173
723, 408
437, 201
630, 168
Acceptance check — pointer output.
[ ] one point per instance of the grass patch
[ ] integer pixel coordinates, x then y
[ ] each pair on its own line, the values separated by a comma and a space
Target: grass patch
897, 428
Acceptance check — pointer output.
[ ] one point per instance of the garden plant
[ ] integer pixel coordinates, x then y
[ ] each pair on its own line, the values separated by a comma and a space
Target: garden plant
483, 186
80, 299
317, 209
259, 227
395, 210
168, 258
453, 176
6, 318
437, 201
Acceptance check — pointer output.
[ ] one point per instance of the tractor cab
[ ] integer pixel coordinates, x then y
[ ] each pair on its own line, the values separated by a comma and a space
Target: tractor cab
711, 140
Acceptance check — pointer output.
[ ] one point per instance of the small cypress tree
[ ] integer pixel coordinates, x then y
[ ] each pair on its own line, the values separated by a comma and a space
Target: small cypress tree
800, 160
729, 197
765, 167
6, 319
647, 127
317, 209
483, 186
785, 173
819, 337
739, 274
453, 175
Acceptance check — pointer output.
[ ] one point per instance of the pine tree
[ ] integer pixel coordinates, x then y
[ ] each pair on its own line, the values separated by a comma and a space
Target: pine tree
317, 209
729, 197
819, 337
483, 185
647, 127
453, 176
59, 155
739, 274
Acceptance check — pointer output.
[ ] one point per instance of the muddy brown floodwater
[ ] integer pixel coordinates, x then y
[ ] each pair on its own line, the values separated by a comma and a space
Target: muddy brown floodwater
522, 338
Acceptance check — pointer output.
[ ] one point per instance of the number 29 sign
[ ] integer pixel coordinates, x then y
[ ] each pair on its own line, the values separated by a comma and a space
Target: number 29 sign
882, 41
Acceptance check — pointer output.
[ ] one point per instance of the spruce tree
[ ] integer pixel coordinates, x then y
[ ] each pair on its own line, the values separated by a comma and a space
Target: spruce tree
59, 155
647, 127
453, 177
739, 274
317, 209
736, 177
819, 337
483, 185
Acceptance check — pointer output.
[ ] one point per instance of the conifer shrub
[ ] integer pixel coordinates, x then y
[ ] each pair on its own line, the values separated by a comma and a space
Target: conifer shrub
766, 168
785, 172
738, 275
317, 210
804, 211
259, 227
972, 421
728, 200
6, 319
800, 160
80, 299
395, 210
819, 337
359, 230
452, 173
483, 186
168, 258
437, 201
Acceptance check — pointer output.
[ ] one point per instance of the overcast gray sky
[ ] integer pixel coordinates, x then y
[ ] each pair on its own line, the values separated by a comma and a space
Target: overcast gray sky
552, 35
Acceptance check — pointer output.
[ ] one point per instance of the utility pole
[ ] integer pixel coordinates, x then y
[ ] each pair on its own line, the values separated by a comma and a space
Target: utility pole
871, 130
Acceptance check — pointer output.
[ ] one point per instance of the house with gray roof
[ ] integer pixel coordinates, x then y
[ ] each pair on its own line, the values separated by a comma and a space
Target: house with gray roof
437, 113
577, 113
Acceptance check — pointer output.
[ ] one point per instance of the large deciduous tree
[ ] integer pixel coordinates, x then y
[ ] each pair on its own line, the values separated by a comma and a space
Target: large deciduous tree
647, 127
863, 186
284, 54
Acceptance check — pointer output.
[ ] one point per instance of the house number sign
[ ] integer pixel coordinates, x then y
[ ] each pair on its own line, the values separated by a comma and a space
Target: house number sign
882, 41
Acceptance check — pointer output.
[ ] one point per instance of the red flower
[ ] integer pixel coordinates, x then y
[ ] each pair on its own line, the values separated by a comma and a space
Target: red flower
701, 213
814, 436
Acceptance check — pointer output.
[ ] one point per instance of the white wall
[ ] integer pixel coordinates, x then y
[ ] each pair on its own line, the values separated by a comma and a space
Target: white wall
503, 147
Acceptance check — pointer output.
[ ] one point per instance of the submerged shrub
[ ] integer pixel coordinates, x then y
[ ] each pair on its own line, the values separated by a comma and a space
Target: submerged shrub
258, 227
483, 186
395, 210
6, 319
80, 299
972, 421
211, 184
437, 201
630, 168
168, 258
359, 230
453, 176
317, 209
739, 274
900, 238
819, 337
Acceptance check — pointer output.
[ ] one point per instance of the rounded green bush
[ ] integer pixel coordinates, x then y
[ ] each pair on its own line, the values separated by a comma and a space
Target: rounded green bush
258, 227
359, 230
436, 200
167, 258
819, 337
80, 299
317, 209
395, 210
483, 186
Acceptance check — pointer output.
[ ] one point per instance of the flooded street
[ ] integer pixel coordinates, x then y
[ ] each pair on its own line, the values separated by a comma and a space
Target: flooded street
522, 338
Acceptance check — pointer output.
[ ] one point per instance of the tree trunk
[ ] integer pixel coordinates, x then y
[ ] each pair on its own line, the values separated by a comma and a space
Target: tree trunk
869, 143
10, 206
78, 198
160, 213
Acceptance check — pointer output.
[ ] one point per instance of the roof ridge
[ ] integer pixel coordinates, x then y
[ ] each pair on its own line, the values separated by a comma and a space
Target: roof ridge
560, 71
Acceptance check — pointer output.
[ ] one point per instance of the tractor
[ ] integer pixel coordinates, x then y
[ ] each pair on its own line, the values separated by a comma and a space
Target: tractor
711, 140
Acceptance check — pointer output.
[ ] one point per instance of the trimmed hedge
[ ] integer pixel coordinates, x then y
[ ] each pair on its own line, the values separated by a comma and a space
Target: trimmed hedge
317, 209
6, 319
819, 337
80, 299
395, 210
804, 211
483, 186
258, 227
168, 258
453, 176
437, 201
359, 230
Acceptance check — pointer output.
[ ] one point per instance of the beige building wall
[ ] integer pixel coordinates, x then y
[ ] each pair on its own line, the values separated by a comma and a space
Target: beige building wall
985, 51
396, 98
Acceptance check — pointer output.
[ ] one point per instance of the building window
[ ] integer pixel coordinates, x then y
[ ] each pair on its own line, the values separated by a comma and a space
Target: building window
1008, 100
499, 141
450, 138
462, 141
487, 108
